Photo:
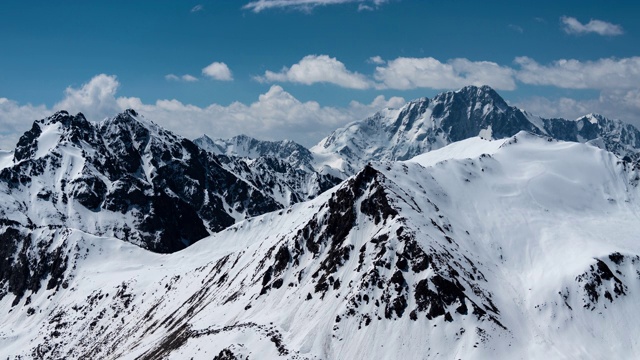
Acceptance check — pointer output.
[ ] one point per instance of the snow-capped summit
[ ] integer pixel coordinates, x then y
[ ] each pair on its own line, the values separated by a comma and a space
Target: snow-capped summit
423, 125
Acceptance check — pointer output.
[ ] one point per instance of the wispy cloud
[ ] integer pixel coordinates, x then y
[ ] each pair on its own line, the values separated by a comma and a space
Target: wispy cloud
197, 8
307, 5
314, 69
218, 71
516, 28
572, 26
186, 78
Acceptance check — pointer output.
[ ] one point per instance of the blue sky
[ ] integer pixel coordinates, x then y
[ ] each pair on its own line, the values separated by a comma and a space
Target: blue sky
299, 68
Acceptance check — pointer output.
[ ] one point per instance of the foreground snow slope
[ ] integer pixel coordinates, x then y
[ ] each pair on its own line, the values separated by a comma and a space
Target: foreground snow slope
518, 248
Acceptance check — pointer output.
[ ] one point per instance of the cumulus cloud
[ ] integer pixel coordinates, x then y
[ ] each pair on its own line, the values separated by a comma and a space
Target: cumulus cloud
314, 69
218, 71
411, 73
307, 5
95, 99
16, 119
571, 25
609, 73
274, 115
186, 78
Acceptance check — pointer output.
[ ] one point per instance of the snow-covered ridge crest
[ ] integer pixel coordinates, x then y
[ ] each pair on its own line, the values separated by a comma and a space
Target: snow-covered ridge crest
471, 257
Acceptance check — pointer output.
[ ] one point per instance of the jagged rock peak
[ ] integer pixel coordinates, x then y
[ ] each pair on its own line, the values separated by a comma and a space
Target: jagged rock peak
130, 119
472, 95
64, 118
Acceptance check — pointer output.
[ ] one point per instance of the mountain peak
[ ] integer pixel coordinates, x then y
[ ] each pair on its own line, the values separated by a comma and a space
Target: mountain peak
472, 93
63, 117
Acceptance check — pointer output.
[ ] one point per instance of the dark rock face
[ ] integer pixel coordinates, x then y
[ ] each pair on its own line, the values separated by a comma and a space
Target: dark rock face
171, 191
26, 261
606, 280
472, 109
381, 289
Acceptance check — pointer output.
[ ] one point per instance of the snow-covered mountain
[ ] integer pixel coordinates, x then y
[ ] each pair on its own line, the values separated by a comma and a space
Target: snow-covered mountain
244, 146
123, 177
524, 247
426, 124
418, 127
284, 170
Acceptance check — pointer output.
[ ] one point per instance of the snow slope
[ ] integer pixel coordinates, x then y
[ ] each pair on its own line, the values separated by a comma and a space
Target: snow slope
519, 248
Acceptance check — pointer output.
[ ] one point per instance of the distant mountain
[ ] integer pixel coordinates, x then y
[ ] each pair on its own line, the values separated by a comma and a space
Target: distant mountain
525, 246
244, 146
423, 125
284, 170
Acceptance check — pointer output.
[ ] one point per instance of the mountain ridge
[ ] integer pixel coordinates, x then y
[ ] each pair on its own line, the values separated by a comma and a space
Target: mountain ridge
474, 248
424, 124
399, 259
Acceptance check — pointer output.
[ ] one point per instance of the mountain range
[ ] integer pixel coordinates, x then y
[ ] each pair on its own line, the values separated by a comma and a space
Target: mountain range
453, 227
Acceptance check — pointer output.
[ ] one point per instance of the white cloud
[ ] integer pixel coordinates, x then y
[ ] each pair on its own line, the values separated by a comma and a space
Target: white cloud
189, 78
218, 71
16, 119
186, 78
608, 73
307, 5
275, 115
197, 8
573, 26
376, 60
314, 69
411, 73
95, 99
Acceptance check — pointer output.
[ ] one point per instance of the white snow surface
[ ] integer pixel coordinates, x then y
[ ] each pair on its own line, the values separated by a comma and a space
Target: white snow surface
520, 220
